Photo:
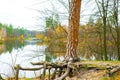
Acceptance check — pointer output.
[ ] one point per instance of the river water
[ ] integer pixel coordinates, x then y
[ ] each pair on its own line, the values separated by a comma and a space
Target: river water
17, 52
13, 53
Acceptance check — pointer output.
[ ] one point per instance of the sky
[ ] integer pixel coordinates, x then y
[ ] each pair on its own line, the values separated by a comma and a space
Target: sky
17, 13
21, 12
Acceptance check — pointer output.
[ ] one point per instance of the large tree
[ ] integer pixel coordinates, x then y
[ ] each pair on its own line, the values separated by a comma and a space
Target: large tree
73, 29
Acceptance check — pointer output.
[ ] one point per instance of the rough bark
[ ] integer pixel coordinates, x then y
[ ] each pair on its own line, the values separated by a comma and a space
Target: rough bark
73, 28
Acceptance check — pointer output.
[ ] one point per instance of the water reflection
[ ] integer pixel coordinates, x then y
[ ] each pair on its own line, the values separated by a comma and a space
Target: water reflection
17, 52
10, 45
2, 48
12, 54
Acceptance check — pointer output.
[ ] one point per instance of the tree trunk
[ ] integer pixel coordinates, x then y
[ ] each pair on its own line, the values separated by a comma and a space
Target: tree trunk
115, 13
73, 29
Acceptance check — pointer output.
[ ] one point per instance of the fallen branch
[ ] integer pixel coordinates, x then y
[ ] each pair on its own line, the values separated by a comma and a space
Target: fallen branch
31, 69
54, 65
17, 72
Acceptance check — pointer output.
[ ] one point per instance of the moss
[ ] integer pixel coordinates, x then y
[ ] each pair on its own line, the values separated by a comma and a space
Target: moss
105, 78
28, 79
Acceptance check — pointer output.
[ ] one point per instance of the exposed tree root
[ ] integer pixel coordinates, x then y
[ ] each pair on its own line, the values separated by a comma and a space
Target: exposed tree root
64, 69
113, 69
64, 75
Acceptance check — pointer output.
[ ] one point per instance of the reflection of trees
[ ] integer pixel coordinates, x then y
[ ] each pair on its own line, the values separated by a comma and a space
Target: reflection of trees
50, 57
13, 44
56, 48
2, 48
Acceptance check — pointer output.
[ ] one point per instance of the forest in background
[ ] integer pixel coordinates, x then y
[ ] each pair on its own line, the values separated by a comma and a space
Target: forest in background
99, 36
99, 39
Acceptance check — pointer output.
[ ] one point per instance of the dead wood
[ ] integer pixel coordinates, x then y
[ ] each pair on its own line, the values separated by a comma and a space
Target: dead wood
54, 65
29, 69
64, 69
17, 72
54, 74
64, 75
113, 69
44, 71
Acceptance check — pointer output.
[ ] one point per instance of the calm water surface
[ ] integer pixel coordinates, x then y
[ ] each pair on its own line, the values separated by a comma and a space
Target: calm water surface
12, 54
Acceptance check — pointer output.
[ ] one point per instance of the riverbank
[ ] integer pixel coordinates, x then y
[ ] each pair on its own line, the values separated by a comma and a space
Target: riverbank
91, 70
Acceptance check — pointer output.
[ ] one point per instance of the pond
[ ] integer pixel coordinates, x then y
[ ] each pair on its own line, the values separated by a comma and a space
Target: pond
17, 52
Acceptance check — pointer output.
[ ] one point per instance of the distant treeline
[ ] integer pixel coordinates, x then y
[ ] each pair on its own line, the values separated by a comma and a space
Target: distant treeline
16, 32
11, 31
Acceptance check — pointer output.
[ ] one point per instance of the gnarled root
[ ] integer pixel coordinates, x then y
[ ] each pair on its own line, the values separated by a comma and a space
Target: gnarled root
64, 75
61, 70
